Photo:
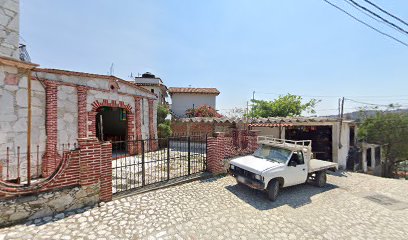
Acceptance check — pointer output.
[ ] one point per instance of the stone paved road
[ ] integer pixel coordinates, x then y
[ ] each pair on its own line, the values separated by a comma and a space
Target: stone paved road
352, 206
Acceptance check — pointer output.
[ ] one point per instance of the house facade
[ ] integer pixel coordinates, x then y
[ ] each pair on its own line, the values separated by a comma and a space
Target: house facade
153, 84
187, 98
50, 109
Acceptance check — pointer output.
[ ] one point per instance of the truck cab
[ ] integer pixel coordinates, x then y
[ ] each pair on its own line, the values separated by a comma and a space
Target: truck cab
279, 163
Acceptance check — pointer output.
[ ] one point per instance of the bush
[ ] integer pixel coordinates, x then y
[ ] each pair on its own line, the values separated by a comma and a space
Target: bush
202, 111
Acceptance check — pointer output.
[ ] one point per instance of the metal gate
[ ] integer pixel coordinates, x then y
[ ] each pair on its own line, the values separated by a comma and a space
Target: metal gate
139, 163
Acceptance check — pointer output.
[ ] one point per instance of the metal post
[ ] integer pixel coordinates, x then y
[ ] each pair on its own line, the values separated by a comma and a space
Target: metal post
29, 128
8, 163
189, 158
18, 164
143, 165
168, 159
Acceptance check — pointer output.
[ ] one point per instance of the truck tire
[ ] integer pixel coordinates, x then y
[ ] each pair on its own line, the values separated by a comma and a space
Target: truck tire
273, 190
320, 179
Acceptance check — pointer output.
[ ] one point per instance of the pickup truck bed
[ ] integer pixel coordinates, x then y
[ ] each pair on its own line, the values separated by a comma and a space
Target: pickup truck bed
316, 165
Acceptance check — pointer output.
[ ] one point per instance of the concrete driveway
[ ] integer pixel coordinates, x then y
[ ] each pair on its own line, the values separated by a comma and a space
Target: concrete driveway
352, 206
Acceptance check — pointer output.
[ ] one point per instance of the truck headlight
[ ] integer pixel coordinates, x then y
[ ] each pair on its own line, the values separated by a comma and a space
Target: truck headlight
258, 177
232, 167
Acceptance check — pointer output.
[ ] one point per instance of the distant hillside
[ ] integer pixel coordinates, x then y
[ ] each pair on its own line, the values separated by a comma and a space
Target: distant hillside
357, 114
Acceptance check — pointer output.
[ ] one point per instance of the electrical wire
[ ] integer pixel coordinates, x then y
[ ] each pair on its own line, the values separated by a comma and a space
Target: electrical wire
366, 24
379, 17
386, 12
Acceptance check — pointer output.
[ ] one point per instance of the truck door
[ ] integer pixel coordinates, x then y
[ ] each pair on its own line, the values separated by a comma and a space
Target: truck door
297, 169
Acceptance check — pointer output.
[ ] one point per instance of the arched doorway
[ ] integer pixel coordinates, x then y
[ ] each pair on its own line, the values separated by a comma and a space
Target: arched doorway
111, 124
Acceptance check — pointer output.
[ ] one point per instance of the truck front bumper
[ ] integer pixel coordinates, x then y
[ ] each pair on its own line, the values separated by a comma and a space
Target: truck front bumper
256, 184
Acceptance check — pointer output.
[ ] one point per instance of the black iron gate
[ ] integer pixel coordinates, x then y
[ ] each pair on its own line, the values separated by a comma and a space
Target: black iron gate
138, 163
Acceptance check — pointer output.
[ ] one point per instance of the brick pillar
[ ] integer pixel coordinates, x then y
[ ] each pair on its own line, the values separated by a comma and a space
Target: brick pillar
138, 121
82, 126
96, 165
216, 153
92, 124
152, 127
131, 133
50, 159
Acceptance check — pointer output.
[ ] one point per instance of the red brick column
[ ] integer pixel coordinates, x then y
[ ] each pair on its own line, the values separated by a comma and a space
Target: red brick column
92, 123
50, 159
152, 127
138, 121
96, 165
82, 95
216, 153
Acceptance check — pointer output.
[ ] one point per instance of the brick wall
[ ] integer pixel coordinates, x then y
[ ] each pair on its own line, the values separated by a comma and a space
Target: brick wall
222, 147
82, 97
201, 128
88, 165
51, 158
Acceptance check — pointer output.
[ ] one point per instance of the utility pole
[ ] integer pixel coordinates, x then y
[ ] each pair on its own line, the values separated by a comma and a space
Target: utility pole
252, 106
341, 121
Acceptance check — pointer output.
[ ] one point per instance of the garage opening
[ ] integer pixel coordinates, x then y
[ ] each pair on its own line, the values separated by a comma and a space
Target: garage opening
321, 137
111, 124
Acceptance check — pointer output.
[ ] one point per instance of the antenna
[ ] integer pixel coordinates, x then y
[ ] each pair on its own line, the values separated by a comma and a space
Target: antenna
111, 70
131, 75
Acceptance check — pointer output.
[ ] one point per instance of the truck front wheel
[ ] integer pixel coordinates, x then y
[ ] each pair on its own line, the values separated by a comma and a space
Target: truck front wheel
273, 189
320, 179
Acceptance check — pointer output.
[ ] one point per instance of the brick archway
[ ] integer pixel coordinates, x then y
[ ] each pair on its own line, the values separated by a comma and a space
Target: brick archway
97, 105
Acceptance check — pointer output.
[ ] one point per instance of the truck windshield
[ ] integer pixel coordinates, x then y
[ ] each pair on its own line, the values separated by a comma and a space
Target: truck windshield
273, 153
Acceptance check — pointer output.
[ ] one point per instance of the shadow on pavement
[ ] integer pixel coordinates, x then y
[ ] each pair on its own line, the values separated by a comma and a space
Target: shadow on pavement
296, 196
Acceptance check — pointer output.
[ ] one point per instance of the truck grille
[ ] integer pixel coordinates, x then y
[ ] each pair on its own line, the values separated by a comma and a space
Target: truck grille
245, 173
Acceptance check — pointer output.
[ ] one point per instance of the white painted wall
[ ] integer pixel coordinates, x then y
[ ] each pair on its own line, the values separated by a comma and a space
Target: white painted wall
180, 102
9, 28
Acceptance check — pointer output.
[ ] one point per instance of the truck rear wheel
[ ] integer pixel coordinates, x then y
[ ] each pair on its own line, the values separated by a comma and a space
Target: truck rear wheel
273, 189
320, 179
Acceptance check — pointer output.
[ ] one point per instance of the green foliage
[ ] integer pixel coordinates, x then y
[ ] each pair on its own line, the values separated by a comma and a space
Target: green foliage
202, 111
163, 125
164, 129
284, 106
389, 129
162, 112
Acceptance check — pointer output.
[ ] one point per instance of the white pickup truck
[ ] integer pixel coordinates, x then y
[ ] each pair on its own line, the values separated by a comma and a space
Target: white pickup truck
279, 163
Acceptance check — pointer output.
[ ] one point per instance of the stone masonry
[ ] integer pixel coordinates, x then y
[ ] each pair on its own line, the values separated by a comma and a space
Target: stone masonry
9, 28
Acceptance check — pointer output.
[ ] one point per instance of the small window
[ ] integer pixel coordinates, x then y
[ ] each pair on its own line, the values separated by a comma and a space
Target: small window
152, 90
298, 158
352, 136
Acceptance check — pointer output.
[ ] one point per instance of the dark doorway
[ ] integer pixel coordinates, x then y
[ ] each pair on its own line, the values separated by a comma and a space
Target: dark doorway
111, 124
321, 137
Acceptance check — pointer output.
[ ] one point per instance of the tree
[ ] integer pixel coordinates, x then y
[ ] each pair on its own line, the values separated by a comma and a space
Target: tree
391, 131
163, 125
202, 111
284, 106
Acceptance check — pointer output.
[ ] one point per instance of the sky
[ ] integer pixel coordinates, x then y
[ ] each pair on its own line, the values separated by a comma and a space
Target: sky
306, 47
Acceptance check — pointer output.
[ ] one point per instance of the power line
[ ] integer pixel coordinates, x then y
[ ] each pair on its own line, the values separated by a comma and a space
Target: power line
369, 15
372, 104
384, 11
333, 96
366, 24
378, 16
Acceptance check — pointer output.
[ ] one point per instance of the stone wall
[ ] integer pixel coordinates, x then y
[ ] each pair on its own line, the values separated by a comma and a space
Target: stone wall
13, 120
67, 116
47, 204
9, 28
83, 178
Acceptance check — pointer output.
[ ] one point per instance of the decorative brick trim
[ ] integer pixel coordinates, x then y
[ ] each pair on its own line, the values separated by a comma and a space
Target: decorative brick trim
82, 97
51, 158
105, 103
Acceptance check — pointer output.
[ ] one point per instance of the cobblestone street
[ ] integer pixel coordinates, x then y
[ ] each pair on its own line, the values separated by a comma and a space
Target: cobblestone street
351, 206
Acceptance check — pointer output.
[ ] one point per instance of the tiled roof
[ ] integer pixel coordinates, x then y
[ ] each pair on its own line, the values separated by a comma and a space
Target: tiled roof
194, 90
261, 122
90, 75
